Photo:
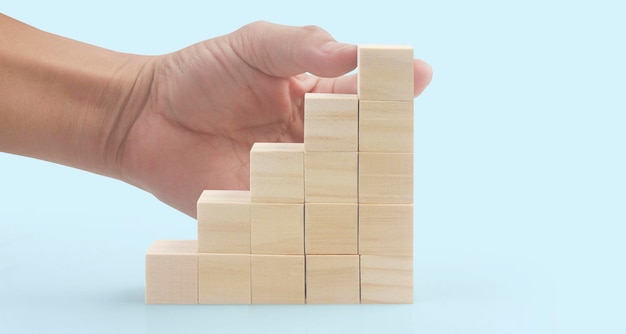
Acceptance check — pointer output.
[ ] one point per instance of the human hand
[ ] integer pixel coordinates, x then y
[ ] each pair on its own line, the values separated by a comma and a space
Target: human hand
207, 104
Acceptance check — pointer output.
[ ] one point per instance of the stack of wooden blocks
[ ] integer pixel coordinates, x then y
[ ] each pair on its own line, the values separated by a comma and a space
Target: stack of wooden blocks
327, 221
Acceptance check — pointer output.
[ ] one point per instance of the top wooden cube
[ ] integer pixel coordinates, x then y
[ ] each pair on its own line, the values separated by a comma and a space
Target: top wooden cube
385, 73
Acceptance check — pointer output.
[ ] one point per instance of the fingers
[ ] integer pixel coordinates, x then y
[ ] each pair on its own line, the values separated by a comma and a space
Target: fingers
422, 74
285, 51
341, 85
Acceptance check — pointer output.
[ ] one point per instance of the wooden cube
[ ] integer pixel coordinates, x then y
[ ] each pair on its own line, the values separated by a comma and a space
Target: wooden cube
331, 177
277, 279
386, 126
385, 178
386, 279
332, 279
331, 122
385, 73
224, 222
277, 228
386, 229
172, 272
277, 173
331, 228
224, 279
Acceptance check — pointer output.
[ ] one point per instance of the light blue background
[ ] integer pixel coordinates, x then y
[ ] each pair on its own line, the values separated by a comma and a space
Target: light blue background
520, 203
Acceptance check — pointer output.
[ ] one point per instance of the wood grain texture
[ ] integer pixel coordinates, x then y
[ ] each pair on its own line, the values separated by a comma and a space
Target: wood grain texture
331, 177
386, 279
172, 272
277, 173
385, 73
224, 279
277, 279
332, 279
385, 178
331, 228
386, 229
277, 228
331, 122
224, 222
386, 126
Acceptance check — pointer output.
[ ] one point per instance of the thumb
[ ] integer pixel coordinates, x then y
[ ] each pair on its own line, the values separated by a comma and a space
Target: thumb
285, 51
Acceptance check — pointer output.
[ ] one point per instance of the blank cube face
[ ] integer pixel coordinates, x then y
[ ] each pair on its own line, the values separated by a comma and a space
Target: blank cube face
386, 229
385, 73
385, 178
277, 173
277, 228
331, 228
331, 122
386, 279
331, 177
224, 222
277, 279
386, 126
224, 279
332, 279
172, 272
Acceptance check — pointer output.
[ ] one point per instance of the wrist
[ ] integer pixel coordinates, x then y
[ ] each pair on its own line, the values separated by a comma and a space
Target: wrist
65, 101
123, 98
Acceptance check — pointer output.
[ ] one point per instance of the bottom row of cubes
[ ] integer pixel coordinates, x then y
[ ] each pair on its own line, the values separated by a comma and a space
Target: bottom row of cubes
177, 274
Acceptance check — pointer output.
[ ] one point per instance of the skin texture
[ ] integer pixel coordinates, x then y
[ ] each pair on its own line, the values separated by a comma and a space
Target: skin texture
175, 124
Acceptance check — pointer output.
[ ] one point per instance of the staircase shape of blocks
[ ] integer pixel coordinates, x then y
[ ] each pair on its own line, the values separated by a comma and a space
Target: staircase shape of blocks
327, 221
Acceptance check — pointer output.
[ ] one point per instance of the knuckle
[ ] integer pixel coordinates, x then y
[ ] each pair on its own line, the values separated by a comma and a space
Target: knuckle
314, 30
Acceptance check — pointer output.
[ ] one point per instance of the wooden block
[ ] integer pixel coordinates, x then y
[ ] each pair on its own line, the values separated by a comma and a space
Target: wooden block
331, 228
330, 177
332, 279
277, 279
224, 222
277, 228
386, 126
224, 279
172, 272
386, 229
277, 173
385, 73
331, 122
386, 178
386, 279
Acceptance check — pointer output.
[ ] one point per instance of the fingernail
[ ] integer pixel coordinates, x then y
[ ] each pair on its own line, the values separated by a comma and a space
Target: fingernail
331, 47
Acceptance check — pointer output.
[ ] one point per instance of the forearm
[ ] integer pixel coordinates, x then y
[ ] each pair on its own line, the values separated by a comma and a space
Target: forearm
66, 101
